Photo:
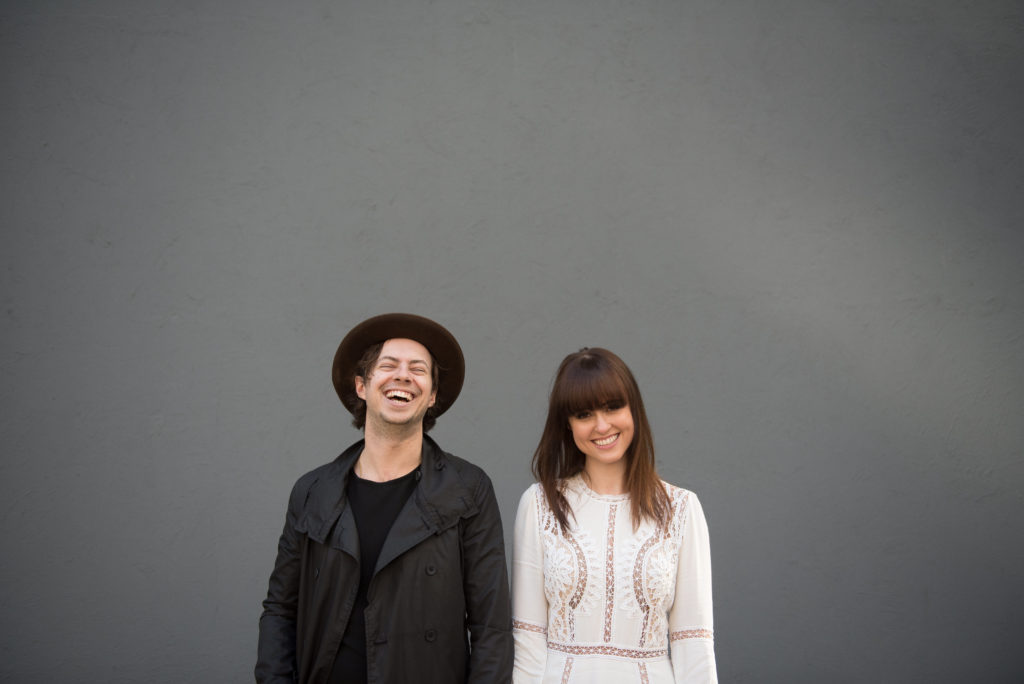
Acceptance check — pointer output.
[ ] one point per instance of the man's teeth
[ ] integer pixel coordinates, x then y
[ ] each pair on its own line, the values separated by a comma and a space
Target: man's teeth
399, 394
606, 441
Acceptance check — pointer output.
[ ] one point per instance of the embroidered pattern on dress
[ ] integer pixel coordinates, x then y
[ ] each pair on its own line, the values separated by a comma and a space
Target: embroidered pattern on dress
566, 572
528, 627
567, 671
639, 579
693, 634
609, 569
581, 586
607, 649
654, 571
644, 679
638, 585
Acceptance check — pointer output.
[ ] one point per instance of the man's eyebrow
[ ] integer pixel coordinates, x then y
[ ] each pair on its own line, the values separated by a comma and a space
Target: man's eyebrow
397, 360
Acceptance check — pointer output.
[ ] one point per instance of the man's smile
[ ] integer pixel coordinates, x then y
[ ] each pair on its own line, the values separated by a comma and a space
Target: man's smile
399, 395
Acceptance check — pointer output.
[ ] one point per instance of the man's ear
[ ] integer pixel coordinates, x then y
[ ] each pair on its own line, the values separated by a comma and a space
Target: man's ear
433, 398
360, 388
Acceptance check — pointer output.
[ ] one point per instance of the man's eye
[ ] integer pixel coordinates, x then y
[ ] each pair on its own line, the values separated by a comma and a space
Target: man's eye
386, 366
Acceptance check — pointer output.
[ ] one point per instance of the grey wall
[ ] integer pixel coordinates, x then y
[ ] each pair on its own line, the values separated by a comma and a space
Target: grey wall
799, 222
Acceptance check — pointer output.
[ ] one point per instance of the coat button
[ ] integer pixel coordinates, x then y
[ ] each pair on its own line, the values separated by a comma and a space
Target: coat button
430, 634
431, 570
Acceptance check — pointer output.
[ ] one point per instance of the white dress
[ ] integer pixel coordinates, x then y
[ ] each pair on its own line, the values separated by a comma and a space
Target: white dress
605, 603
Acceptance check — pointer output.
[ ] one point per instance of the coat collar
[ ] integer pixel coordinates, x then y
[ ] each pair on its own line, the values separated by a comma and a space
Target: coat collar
440, 500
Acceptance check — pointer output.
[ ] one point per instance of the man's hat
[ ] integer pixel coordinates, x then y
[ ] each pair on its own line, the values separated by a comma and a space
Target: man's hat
441, 344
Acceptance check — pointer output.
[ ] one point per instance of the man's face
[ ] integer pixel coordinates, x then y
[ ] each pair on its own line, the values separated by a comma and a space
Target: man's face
399, 389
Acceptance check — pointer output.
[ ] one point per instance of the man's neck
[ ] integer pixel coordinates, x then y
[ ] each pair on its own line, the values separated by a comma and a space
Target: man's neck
389, 456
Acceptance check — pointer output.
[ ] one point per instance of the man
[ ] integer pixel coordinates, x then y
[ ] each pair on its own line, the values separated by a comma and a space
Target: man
393, 553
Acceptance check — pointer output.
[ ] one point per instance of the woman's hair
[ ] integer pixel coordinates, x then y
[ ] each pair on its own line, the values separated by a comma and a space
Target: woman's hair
589, 379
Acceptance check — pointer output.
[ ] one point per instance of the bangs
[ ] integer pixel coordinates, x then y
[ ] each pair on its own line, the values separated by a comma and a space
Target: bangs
585, 389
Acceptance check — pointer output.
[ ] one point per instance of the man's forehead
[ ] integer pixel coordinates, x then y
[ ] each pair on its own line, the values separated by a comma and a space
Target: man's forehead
405, 349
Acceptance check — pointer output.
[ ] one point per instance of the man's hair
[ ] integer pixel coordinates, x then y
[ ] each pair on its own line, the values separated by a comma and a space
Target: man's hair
364, 369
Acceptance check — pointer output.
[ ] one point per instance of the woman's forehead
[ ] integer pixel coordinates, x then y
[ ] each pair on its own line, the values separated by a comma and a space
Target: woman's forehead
591, 390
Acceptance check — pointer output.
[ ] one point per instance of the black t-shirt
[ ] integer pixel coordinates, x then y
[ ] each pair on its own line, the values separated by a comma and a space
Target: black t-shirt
375, 505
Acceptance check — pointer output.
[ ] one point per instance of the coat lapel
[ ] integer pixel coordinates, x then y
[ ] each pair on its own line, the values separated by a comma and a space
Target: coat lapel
334, 507
408, 530
436, 504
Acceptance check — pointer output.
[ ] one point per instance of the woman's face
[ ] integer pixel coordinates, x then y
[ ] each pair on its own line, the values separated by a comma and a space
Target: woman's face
603, 434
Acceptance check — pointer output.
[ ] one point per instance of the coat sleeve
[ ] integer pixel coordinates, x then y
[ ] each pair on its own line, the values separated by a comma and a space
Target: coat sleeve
485, 584
691, 626
529, 604
276, 660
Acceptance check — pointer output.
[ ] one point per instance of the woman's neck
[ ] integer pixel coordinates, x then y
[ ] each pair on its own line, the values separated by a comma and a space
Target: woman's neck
606, 478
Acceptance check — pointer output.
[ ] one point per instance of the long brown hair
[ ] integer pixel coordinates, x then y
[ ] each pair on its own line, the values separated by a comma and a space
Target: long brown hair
589, 379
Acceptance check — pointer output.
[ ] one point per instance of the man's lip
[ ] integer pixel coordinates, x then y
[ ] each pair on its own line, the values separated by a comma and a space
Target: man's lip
411, 395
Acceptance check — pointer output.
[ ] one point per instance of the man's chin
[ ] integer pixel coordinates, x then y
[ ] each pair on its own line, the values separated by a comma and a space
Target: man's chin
400, 421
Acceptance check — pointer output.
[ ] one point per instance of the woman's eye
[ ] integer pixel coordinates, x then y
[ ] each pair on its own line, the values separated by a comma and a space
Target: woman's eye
582, 415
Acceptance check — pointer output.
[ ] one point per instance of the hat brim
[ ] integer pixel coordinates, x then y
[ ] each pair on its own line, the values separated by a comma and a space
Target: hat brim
441, 344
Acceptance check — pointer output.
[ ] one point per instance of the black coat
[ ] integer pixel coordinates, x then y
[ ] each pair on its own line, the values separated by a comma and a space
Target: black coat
440, 573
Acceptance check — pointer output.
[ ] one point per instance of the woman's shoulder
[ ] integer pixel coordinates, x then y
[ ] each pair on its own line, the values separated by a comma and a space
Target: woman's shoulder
532, 494
672, 489
533, 490
562, 485
535, 494
679, 496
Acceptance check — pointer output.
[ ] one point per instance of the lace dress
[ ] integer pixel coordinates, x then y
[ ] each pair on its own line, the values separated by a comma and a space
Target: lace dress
605, 603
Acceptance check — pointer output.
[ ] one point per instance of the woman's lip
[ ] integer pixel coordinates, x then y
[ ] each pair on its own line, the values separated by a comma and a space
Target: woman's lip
614, 438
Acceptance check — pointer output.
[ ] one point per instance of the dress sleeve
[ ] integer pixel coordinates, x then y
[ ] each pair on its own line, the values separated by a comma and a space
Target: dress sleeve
691, 626
529, 605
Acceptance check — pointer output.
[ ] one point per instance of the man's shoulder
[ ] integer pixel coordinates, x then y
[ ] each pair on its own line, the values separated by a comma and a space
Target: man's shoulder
332, 470
317, 473
458, 477
434, 455
464, 467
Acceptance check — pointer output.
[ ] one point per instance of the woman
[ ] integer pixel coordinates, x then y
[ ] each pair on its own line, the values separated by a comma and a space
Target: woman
611, 570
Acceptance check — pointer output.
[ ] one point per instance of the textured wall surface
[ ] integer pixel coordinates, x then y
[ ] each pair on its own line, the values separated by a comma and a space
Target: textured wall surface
799, 222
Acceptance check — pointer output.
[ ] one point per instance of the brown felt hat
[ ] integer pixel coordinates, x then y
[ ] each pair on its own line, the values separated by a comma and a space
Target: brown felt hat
441, 344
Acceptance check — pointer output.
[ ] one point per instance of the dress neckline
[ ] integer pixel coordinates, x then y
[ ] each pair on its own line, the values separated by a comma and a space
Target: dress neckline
578, 484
